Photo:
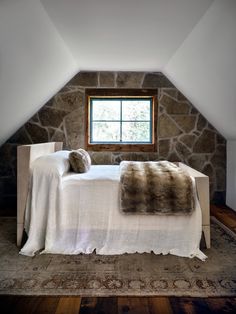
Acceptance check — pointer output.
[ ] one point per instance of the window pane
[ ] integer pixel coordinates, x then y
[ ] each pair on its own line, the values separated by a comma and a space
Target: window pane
136, 132
105, 132
136, 109
105, 109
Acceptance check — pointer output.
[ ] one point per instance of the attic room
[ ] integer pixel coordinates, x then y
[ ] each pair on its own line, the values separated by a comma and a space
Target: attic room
117, 156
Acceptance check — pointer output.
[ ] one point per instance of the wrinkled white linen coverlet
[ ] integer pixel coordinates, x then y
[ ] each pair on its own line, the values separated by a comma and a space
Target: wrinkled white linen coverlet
77, 213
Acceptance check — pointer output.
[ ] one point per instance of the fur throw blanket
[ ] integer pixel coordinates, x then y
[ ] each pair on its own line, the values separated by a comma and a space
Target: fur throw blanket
155, 188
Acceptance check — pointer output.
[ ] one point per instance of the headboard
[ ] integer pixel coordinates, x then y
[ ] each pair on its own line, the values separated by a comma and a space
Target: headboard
26, 154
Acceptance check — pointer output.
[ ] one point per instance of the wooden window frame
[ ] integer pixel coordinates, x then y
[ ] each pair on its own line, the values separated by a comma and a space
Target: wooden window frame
122, 93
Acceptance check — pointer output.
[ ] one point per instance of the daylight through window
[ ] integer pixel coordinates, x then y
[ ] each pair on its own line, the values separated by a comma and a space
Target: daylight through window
125, 120
117, 122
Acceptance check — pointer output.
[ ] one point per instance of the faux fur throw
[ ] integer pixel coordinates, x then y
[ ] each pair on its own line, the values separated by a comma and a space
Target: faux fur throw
80, 160
155, 188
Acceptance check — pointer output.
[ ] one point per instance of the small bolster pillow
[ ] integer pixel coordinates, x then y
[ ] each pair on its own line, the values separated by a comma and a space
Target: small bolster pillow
80, 160
55, 163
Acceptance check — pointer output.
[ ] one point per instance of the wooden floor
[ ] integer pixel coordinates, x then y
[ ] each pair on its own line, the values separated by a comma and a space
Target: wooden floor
125, 305
117, 305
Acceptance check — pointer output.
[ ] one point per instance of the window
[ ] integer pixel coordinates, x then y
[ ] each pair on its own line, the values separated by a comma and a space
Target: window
121, 120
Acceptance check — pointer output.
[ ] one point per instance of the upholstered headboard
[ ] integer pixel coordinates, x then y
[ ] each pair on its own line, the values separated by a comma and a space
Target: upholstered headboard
26, 154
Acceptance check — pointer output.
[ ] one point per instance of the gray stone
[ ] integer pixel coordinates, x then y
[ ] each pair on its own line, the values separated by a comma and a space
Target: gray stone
101, 158
51, 132
205, 143
174, 107
59, 136
197, 161
173, 92
107, 79
201, 122
88, 79
220, 139
68, 101
131, 156
74, 130
218, 160
208, 171
153, 156
186, 123
156, 80
219, 197
50, 102
167, 128
20, 137
211, 127
188, 139
174, 157
193, 110
182, 151
37, 133
129, 79
220, 179
51, 116
164, 148
181, 97
35, 119
7, 153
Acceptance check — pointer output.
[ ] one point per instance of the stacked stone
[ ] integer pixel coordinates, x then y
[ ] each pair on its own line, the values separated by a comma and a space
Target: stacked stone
183, 133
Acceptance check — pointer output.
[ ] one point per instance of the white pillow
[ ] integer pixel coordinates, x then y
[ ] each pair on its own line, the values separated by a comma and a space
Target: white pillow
55, 163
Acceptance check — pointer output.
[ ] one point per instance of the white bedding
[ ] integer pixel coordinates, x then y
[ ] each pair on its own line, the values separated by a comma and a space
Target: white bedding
76, 213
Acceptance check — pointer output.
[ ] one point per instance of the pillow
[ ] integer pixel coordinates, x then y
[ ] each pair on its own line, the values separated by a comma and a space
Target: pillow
80, 160
56, 163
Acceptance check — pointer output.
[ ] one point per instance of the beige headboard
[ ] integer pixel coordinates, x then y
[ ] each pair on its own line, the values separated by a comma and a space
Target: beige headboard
26, 154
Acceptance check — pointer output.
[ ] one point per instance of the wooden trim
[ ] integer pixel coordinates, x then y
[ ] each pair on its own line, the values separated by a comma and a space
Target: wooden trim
122, 93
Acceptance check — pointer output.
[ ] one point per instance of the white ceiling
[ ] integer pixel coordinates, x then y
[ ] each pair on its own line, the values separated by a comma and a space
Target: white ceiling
124, 34
43, 44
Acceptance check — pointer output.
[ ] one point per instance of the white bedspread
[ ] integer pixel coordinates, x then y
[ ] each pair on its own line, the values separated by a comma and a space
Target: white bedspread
77, 213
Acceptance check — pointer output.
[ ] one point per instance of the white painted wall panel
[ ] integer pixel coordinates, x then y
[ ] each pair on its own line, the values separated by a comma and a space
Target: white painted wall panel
204, 67
34, 62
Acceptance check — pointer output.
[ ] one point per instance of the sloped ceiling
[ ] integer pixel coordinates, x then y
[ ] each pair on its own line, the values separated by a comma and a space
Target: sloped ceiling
204, 67
43, 44
124, 34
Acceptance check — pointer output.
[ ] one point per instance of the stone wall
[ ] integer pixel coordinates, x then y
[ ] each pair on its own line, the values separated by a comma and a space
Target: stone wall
183, 133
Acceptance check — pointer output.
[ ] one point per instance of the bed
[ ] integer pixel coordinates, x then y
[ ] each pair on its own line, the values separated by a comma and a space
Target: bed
81, 222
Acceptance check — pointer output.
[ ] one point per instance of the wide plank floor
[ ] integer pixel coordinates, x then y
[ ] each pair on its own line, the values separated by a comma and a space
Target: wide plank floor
115, 305
125, 305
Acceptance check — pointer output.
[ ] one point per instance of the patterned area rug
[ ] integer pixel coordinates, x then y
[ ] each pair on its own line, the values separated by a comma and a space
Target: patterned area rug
128, 274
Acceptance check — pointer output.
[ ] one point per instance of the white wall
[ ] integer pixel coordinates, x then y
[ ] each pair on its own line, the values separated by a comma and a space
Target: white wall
204, 67
231, 175
34, 62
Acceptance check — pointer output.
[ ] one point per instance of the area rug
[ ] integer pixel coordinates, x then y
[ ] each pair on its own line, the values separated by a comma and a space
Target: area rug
128, 274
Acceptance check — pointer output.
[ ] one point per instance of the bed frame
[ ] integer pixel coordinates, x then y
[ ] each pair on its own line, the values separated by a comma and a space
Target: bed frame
26, 154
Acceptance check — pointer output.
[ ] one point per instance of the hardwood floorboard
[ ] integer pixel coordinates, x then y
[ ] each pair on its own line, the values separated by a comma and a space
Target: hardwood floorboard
98, 305
221, 305
225, 215
115, 305
189, 306
159, 305
68, 305
133, 305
